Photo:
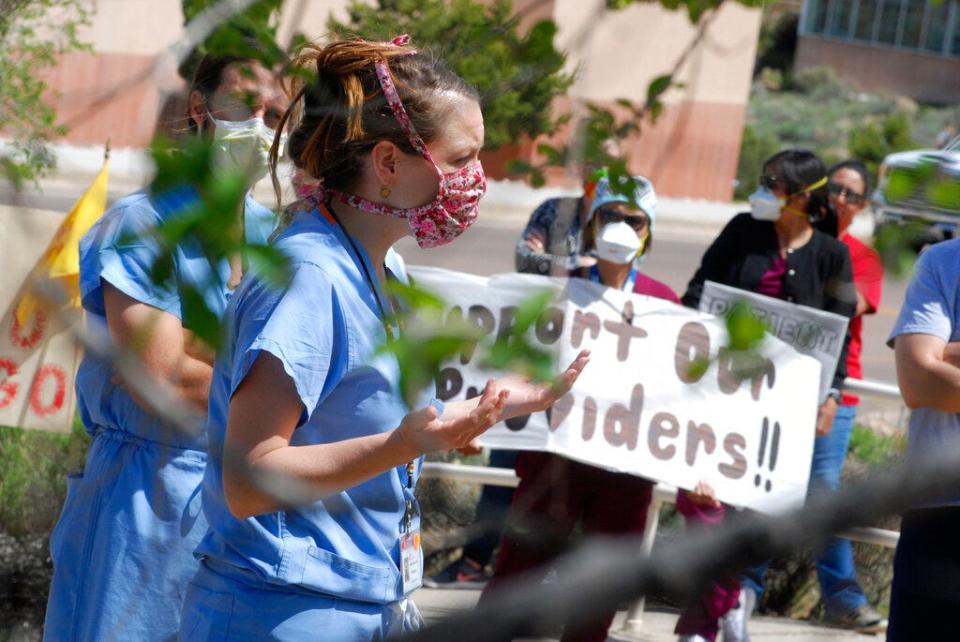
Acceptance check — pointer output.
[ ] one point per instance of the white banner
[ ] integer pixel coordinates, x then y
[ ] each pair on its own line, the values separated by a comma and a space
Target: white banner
638, 407
809, 331
38, 360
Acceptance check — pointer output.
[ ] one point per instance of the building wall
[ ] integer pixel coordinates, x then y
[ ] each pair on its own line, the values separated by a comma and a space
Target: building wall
693, 148
927, 78
691, 151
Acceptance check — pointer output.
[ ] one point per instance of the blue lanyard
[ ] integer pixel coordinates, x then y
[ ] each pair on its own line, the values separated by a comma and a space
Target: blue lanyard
627, 286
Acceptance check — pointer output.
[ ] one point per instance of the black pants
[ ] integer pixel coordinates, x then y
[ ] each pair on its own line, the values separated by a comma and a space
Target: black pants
925, 599
491, 511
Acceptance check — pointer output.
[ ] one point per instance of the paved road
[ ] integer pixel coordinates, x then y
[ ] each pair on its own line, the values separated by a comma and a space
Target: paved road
436, 604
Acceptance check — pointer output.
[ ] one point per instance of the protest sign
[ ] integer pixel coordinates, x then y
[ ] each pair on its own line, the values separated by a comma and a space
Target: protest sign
809, 331
38, 358
640, 407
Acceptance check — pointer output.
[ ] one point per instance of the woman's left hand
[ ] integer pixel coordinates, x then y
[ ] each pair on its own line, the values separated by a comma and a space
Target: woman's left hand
527, 397
825, 415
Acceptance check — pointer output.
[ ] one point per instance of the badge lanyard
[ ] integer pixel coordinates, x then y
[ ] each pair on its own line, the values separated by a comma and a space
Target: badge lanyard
411, 560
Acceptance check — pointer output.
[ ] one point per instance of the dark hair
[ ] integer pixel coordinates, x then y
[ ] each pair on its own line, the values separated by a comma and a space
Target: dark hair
207, 78
797, 170
856, 166
342, 113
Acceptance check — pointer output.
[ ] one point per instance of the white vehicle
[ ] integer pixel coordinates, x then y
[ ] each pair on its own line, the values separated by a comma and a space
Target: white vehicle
923, 187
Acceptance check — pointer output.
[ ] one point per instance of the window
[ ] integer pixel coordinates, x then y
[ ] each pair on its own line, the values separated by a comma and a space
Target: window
817, 16
866, 16
937, 16
916, 25
839, 20
955, 48
912, 24
889, 22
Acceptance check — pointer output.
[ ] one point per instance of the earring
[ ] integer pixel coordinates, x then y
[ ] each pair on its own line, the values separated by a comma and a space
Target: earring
384, 192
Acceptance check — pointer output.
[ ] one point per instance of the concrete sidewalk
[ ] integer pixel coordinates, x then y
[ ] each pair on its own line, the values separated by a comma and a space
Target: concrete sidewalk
436, 604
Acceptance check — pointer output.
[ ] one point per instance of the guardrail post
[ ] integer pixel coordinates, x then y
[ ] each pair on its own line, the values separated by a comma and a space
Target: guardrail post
633, 624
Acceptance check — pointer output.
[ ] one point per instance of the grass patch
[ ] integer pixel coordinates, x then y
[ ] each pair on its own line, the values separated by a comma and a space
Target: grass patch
33, 476
873, 449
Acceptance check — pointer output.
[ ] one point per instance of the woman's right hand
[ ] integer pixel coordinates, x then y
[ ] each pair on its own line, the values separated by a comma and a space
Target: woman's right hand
424, 431
704, 495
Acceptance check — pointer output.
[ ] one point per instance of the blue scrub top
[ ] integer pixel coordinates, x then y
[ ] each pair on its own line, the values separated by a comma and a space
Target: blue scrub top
119, 249
324, 328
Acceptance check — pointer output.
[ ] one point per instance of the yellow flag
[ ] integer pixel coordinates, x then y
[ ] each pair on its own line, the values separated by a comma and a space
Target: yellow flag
61, 261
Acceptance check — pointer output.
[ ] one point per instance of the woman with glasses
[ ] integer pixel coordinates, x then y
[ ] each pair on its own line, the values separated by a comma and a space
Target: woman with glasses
777, 250
845, 604
555, 493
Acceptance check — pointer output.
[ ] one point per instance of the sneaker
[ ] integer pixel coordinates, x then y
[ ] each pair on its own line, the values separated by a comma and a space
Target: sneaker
691, 638
733, 625
462, 573
863, 620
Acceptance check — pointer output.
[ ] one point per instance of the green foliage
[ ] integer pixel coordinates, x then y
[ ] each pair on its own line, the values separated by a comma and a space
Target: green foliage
898, 245
744, 328
250, 34
33, 33
213, 223
695, 8
873, 449
431, 336
518, 76
513, 351
778, 43
33, 469
754, 149
872, 141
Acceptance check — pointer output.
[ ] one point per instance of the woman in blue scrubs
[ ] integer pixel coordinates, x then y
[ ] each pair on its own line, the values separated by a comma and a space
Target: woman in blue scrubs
122, 548
387, 146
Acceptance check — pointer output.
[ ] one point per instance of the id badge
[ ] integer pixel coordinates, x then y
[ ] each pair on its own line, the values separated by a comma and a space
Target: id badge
411, 561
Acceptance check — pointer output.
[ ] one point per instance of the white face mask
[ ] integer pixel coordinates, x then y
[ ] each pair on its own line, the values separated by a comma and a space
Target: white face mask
764, 205
618, 243
244, 146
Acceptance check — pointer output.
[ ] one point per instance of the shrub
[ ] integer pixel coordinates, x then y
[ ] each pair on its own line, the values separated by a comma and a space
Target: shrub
518, 76
778, 43
872, 141
33, 476
754, 149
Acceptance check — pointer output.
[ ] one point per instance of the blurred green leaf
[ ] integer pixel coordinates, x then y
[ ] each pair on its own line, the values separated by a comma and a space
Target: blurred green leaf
945, 193
531, 311
198, 316
898, 245
414, 298
744, 328
268, 263
900, 185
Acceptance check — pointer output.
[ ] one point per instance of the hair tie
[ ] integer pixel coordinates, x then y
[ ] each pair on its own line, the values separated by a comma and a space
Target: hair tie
402, 40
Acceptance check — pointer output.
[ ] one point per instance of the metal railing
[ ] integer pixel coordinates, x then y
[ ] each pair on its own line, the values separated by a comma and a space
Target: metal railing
662, 493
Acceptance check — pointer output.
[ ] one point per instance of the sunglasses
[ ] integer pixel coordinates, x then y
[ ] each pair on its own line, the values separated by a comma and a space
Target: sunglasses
770, 181
838, 190
606, 216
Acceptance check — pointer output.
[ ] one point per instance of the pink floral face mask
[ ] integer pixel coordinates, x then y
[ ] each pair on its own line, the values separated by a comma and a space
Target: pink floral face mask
455, 207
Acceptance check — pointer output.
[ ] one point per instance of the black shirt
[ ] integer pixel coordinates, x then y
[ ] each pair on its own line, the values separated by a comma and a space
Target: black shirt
819, 274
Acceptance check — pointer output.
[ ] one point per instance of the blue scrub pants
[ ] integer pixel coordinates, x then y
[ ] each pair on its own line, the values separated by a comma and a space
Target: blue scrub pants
122, 549
218, 608
835, 567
